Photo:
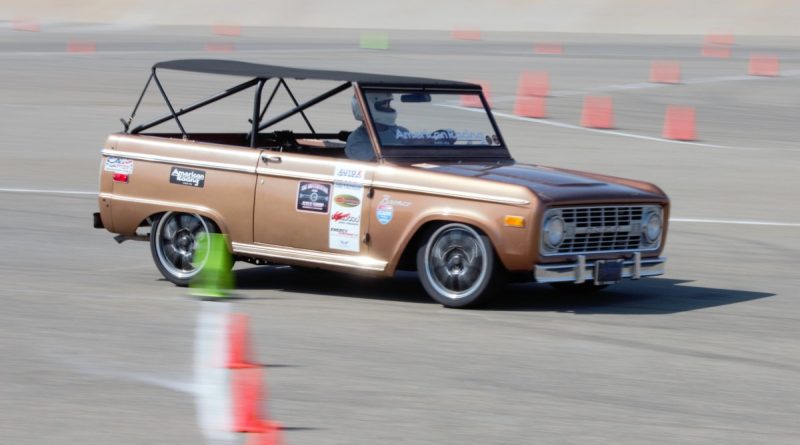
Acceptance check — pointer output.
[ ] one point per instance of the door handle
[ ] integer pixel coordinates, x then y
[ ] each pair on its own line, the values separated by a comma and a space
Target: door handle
270, 158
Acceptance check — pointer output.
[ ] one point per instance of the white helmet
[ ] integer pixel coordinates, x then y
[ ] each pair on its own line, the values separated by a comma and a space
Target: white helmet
380, 107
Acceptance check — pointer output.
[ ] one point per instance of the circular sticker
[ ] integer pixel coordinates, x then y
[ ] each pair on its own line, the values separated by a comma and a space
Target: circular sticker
384, 213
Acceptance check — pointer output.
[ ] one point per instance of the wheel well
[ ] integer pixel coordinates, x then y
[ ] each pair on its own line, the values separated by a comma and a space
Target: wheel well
408, 260
148, 222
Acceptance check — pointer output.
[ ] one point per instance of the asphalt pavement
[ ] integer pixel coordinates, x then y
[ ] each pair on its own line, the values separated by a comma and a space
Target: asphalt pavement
96, 348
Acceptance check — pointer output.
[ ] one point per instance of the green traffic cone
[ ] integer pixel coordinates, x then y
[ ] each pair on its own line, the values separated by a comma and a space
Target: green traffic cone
215, 279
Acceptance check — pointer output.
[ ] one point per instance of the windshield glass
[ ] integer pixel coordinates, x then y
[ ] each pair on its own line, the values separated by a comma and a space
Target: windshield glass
406, 119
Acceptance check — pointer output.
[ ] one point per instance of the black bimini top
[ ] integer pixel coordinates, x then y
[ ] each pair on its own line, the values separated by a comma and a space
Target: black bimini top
261, 71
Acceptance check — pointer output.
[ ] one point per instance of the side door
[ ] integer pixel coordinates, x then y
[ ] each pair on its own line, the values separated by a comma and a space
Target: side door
313, 203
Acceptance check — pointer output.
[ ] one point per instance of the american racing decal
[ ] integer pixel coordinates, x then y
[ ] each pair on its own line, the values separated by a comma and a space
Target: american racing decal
186, 176
313, 197
118, 165
344, 224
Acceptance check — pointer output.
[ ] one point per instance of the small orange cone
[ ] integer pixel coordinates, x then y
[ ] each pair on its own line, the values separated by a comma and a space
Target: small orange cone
26, 25
717, 51
227, 30
665, 71
74, 46
679, 123
548, 48
764, 65
247, 391
214, 47
466, 34
533, 83
473, 100
598, 112
238, 343
723, 39
531, 106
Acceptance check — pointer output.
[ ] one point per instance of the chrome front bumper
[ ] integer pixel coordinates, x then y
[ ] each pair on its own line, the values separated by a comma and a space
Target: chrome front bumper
583, 271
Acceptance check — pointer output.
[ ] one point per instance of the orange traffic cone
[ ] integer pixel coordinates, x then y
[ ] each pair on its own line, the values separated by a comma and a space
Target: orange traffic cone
598, 112
238, 343
74, 46
679, 123
548, 48
533, 83
227, 30
530, 106
466, 34
247, 393
665, 71
26, 25
473, 100
764, 65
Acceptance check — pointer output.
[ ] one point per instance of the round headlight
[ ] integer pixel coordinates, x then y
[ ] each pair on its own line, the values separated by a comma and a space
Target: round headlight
652, 228
553, 231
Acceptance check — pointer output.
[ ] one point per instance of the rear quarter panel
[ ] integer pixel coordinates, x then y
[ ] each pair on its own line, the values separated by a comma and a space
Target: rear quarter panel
226, 196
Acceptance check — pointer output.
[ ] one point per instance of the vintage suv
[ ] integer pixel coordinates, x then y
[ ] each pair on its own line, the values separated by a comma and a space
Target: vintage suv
408, 178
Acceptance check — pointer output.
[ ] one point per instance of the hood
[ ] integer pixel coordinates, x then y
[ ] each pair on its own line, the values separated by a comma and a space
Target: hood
551, 184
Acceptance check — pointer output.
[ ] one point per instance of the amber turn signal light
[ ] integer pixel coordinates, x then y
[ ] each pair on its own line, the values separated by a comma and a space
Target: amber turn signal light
514, 221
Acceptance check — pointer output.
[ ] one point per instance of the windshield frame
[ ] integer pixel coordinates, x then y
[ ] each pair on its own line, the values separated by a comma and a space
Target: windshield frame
474, 152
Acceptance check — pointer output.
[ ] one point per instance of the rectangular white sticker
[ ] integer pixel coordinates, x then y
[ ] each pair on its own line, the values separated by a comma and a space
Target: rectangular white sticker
344, 228
118, 165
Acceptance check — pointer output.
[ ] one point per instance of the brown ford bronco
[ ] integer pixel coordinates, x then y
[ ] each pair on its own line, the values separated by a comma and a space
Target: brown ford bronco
404, 177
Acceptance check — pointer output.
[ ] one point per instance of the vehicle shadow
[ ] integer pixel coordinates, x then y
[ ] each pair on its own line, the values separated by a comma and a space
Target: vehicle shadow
650, 296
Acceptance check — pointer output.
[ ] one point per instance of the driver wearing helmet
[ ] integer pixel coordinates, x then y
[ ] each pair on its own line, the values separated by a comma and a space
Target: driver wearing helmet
383, 115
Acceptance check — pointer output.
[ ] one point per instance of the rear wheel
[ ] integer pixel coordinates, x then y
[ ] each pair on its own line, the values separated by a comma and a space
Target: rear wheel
173, 242
457, 266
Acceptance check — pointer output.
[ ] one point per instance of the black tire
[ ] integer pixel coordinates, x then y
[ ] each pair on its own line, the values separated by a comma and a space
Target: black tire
173, 242
584, 288
457, 266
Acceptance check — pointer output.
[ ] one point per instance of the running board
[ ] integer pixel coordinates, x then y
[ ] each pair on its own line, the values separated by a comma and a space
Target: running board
278, 253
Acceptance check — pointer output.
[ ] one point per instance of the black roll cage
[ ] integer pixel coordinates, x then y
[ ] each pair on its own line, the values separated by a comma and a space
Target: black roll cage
261, 74
258, 111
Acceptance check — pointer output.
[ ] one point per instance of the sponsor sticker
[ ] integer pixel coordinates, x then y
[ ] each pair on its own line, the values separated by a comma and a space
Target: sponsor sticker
187, 176
344, 223
384, 213
395, 202
347, 200
118, 165
313, 197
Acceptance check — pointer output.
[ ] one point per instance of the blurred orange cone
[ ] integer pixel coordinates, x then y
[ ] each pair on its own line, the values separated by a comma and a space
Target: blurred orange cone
74, 46
226, 47
764, 65
238, 343
247, 393
26, 25
665, 71
532, 89
227, 30
598, 112
533, 83
548, 48
466, 34
723, 39
530, 106
473, 100
679, 123
717, 51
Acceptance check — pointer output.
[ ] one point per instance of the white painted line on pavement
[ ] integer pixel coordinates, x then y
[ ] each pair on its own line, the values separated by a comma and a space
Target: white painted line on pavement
734, 221
211, 379
553, 123
46, 192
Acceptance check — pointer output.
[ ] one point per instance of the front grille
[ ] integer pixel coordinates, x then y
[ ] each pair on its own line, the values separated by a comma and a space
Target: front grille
601, 229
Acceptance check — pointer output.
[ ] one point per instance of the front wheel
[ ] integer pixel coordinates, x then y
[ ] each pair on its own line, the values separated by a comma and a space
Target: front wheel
173, 242
457, 266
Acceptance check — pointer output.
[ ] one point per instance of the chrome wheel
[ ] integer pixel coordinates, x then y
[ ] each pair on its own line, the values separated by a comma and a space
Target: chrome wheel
457, 266
174, 241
